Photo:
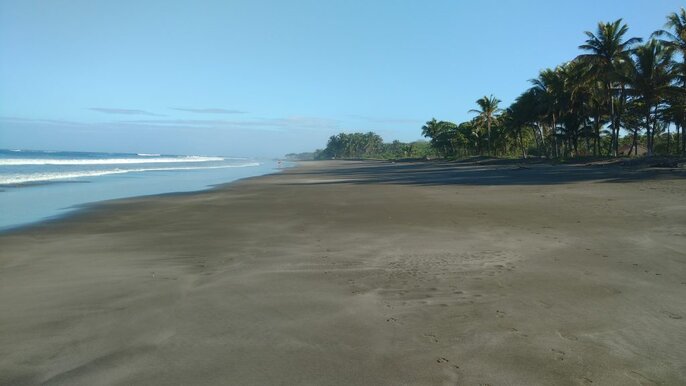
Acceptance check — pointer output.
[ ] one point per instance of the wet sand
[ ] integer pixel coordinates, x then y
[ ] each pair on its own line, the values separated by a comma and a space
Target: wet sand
340, 273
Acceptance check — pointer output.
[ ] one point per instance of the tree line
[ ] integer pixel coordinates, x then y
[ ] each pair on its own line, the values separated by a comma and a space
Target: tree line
371, 145
620, 96
617, 84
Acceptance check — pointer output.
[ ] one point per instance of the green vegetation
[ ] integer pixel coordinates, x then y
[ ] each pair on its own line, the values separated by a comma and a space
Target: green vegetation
305, 156
580, 107
616, 85
371, 145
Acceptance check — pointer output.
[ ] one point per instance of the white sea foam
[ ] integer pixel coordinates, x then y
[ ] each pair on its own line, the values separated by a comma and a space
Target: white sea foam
18, 179
148, 155
104, 161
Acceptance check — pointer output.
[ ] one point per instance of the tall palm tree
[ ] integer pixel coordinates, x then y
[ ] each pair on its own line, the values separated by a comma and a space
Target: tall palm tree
522, 114
487, 113
549, 89
676, 106
675, 38
651, 82
597, 111
608, 54
574, 111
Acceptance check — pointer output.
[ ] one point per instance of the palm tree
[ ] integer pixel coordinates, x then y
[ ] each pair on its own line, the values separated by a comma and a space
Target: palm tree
549, 88
651, 81
597, 111
676, 106
487, 114
608, 53
575, 110
522, 114
430, 128
676, 39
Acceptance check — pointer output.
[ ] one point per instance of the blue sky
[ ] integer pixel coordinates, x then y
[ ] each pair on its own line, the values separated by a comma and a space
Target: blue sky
264, 78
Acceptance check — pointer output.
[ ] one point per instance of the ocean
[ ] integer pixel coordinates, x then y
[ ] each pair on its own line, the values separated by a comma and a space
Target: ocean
39, 185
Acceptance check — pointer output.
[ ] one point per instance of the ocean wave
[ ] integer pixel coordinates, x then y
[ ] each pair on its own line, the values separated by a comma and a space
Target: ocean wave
148, 155
104, 161
19, 179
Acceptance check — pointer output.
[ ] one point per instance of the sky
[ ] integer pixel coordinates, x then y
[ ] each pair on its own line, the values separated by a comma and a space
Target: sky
265, 78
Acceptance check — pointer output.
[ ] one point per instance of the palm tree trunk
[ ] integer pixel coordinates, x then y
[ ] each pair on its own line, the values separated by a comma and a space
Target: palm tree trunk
612, 118
668, 139
488, 135
521, 143
554, 147
622, 101
596, 141
556, 152
587, 139
652, 133
542, 145
677, 139
649, 137
538, 142
655, 126
615, 149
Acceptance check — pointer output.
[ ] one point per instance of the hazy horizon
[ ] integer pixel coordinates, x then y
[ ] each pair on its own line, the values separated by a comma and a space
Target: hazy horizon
267, 78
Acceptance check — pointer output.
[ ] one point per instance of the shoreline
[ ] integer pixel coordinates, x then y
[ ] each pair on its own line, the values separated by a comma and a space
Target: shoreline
78, 209
358, 272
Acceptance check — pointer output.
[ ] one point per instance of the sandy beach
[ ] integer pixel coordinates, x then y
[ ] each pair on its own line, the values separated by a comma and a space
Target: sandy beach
359, 273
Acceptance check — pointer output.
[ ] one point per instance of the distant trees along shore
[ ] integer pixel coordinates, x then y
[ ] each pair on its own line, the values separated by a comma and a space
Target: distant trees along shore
620, 96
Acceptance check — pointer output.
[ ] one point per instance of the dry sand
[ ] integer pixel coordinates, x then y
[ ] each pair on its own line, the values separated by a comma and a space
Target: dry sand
340, 273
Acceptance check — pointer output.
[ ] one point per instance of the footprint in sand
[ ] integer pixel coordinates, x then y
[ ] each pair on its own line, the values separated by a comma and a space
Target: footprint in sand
559, 355
519, 333
671, 315
431, 337
641, 378
567, 336
545, 304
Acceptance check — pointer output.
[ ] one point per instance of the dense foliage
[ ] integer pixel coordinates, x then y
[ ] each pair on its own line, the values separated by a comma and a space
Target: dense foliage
617, 85
371, 145
305, 156
619, 96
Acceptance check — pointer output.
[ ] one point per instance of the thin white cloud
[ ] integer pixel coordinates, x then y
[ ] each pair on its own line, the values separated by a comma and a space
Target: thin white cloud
41, 121
208, 110
110, 110
390, 121
293, 123
271, 124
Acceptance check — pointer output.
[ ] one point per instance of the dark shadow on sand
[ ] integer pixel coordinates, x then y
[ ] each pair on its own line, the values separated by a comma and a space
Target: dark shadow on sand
431, 173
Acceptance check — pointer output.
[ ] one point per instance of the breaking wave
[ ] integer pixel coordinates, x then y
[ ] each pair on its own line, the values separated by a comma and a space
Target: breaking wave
18, 179
105, 161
